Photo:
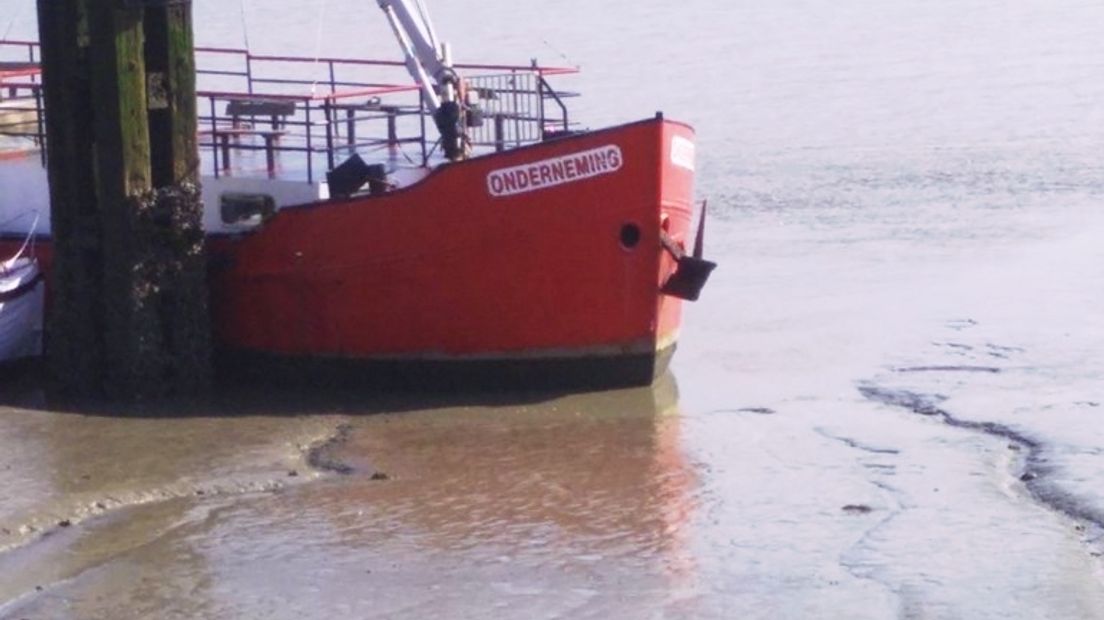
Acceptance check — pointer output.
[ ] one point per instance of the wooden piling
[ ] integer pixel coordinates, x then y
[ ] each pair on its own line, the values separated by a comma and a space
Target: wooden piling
75, 347
171, 72
130, 303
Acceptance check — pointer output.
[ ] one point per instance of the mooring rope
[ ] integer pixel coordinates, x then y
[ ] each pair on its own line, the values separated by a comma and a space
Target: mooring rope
556, 51
11, 24
318, 46
244, 24
423, 12
29, 241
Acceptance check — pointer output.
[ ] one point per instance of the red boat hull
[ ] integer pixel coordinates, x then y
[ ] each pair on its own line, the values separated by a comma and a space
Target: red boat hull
540, 262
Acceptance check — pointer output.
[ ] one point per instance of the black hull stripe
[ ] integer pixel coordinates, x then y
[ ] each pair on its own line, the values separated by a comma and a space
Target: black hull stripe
459, 375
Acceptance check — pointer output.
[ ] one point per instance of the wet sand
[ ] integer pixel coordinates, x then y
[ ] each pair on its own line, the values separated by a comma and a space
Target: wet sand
353, 512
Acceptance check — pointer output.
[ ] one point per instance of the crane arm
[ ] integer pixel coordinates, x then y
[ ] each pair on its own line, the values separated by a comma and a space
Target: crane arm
426, 59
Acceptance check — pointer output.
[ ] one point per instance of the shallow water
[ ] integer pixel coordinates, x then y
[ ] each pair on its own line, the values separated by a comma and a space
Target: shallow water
888, 399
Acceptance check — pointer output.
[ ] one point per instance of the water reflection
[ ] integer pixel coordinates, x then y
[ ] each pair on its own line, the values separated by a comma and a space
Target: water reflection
562, 505
543, 506
600, 470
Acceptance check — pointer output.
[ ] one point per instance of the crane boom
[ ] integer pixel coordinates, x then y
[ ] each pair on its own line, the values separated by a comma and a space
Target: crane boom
426, 59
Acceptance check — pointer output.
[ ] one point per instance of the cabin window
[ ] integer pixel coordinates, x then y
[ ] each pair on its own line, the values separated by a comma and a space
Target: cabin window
245, 208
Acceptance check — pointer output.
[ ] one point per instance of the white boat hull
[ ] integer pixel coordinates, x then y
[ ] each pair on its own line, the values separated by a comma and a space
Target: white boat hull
22, 293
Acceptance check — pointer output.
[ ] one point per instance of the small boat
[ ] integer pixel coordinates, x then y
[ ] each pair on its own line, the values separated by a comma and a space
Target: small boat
22, 291
459, 225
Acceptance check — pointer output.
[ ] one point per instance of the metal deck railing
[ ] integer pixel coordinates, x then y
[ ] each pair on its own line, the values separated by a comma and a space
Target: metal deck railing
21, 104
307, 115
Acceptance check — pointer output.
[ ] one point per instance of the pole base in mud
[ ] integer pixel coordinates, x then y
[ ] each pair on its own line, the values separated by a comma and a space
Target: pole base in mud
129, 315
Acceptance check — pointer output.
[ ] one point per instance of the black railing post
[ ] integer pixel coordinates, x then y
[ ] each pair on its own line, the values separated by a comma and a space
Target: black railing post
310, 144
499, 132
350, 125
328, 111
516, 88
540, 100
333, 90
40, 112
556, 97
421, 118
214, 136
392, 131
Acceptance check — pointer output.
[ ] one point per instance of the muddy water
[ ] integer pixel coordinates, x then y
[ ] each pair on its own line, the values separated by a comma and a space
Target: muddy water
504, 504
889, 398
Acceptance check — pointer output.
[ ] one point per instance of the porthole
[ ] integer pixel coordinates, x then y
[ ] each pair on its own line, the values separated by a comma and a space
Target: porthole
630, 236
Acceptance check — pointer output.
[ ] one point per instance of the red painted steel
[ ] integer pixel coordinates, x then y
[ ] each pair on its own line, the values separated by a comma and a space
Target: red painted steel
444, 269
